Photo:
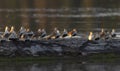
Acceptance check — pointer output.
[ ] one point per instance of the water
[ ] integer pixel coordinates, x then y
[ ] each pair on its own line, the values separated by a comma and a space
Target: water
67, 14
80, 18
59, 66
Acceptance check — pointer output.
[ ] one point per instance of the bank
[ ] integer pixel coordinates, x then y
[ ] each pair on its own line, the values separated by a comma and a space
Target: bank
109, 57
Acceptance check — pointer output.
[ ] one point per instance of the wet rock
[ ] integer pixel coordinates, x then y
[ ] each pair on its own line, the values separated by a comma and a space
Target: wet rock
57, 47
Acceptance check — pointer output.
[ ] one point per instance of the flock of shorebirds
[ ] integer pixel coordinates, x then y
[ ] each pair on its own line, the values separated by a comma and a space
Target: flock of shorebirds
26, 34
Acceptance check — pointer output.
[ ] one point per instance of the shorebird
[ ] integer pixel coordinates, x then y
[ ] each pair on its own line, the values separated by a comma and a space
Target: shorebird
6, 33
102, 33
22, 31
97, 36
65, 33
37, 34
55, 34
43, 33
113, 34
29, 34
72, 33
90, 37
13, 35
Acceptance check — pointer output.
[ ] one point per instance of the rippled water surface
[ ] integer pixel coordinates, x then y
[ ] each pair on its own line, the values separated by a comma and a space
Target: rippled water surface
80, 18
69, 14
59, 66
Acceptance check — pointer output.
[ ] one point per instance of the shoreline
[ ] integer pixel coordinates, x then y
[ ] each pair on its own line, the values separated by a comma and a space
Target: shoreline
111, 57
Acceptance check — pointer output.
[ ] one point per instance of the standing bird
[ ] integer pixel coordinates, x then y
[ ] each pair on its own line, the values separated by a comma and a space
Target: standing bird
37, 34
29, 34
90, 37
55, 34
43, 33
65, 33
13, 35
6, 34
102, 34
97, 36
72, 33
22, 31
113, 33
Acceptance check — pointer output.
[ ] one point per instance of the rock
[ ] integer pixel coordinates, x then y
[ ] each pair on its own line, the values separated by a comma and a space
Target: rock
57, 47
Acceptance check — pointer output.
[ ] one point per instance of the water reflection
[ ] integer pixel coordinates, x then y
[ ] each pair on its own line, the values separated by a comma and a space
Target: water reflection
67, 14
59, 67
69, 18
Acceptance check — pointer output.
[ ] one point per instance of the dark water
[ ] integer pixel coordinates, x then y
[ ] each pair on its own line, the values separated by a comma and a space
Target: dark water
85, 15
59, 66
